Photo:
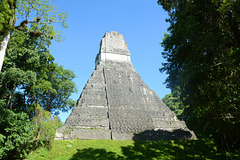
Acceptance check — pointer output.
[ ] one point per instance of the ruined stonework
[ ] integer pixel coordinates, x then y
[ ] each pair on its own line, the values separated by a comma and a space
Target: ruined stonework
116, 104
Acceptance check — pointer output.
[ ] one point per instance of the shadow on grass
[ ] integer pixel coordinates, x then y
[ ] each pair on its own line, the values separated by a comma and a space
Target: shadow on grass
172, 150
95, 154
177, 134
162, 149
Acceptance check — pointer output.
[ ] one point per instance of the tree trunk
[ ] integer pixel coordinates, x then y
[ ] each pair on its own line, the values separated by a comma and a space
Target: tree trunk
3, 48
49, 105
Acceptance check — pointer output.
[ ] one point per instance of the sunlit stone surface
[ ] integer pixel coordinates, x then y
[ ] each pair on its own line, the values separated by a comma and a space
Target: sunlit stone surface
116, 104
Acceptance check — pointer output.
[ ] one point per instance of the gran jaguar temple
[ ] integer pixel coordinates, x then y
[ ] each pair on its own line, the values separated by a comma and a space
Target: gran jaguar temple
116, 103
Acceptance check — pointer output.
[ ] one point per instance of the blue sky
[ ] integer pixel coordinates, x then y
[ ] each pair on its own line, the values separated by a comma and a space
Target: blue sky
142, 23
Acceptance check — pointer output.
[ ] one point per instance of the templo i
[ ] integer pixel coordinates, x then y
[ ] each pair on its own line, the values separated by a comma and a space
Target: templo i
116, 103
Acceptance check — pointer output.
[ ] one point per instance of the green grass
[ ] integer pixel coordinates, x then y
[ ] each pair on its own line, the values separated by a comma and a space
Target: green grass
112, 150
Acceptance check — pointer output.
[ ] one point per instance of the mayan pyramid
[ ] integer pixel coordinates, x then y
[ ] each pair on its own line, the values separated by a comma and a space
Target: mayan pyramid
116, 104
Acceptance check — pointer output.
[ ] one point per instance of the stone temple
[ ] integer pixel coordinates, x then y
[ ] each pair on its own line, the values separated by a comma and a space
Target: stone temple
116, 104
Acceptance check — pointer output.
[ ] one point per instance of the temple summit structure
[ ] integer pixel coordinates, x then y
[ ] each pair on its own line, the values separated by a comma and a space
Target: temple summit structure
116, 103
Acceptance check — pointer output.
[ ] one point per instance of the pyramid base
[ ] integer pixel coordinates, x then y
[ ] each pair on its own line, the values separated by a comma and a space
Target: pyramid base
86, 134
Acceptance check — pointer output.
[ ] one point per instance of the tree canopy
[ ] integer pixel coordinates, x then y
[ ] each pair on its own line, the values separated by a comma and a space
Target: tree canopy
174, 102
202, 51
33, 87
43, 12
30, 75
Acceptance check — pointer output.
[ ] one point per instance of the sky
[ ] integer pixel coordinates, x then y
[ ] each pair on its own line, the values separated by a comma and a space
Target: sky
142, 23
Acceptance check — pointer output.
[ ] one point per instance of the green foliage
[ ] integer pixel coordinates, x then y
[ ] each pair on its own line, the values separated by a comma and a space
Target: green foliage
42, 11
202, 51
7, 8
30, 76
45, 126
19, 135
31, 84
16, 134
128, 149
174, 103
45, 9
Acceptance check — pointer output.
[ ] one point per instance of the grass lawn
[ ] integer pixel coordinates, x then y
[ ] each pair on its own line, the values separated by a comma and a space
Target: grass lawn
144, 150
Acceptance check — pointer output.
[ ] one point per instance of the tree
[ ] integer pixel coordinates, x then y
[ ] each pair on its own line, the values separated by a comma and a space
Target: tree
16, 137
174, 102
44, 126
202, 51
19, 135
6, 20
31, 77
38, 10
32, 86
